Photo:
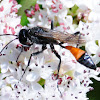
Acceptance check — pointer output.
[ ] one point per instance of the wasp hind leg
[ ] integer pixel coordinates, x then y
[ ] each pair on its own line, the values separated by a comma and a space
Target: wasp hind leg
33, 54
78, 38
59, 57
53, 49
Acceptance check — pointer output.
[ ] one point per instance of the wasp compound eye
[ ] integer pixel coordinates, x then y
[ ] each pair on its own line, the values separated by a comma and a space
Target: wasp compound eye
23, 34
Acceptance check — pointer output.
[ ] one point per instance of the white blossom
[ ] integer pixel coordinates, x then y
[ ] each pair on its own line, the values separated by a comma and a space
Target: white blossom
39, 81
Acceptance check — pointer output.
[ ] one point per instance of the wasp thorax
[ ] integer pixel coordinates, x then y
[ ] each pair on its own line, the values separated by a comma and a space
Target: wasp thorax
36, 30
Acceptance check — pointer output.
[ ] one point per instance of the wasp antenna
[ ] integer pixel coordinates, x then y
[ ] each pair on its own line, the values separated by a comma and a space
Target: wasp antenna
8, 34
8, 44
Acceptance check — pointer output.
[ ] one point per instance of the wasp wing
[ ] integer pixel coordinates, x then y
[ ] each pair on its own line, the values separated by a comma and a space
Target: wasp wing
68, 38
41, 32
60, 36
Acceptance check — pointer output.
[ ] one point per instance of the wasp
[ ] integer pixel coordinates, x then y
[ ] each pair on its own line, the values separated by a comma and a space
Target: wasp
44, 36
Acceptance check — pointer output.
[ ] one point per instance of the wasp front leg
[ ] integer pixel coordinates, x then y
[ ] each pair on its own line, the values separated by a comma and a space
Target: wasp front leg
20, 53
33, 54
59, 57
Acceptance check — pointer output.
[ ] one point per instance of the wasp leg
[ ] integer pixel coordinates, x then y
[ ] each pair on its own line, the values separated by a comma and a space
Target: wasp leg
33, 54
58, 56
19, 53
61, 45
78, 39
52, 25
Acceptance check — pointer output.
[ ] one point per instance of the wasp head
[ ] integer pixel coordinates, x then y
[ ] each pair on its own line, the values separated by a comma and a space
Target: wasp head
24, 37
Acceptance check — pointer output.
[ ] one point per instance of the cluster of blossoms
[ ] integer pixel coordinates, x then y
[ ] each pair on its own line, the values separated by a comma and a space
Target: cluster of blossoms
39, 81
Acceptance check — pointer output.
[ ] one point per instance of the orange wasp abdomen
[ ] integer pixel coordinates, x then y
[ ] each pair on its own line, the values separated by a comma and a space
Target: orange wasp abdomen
75, 51
82, 57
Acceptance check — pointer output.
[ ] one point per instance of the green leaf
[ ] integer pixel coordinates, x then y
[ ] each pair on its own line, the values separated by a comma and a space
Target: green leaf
73, 12
41, 82
83, 48
0, 69
98, 64
18, 1
26, 4
74, 9
97, 42
24, 20
94, 95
